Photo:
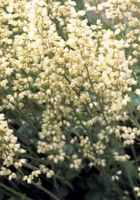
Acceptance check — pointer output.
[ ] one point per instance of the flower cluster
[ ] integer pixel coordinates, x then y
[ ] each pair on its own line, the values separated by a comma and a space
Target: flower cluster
73, 78
10, 150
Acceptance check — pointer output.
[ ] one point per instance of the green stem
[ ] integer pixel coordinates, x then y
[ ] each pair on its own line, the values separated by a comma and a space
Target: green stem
14, 192
53, 196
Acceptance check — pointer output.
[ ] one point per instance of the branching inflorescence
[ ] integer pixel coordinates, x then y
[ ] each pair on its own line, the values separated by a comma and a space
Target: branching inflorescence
76, 79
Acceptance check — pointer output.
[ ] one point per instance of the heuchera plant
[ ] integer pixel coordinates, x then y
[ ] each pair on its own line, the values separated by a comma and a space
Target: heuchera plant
69, 90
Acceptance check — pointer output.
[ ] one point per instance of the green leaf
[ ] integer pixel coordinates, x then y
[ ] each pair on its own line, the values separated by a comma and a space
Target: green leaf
27, 133
135, 100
